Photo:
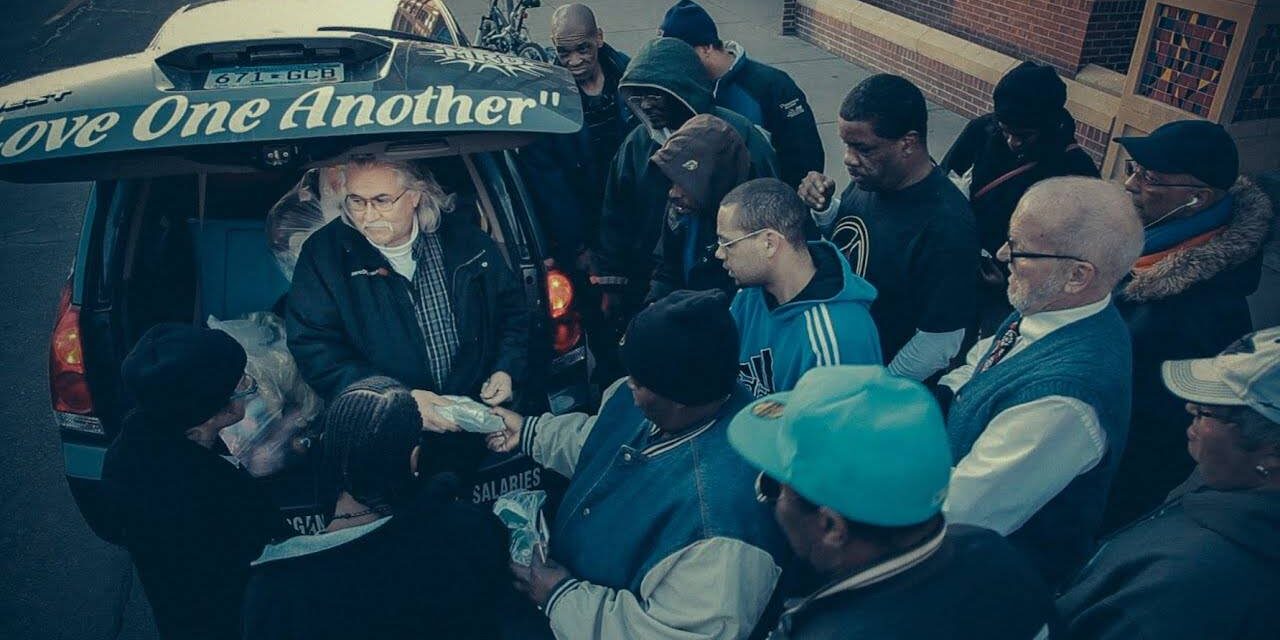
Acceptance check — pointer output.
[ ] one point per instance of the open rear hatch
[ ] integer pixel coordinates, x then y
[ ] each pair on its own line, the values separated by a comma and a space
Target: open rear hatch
282, 103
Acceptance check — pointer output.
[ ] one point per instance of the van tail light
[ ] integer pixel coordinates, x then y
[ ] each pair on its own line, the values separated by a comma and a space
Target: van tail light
68, 388
566, 323
559, 294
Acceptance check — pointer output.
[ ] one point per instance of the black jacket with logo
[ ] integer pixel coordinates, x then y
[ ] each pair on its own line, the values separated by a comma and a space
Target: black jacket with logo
770, 98
350, 315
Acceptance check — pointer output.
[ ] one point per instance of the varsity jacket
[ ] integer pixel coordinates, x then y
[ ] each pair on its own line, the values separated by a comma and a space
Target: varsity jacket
662, 536
778, 345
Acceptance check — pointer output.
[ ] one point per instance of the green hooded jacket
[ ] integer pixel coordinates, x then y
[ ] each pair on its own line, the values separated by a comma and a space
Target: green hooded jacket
635, 196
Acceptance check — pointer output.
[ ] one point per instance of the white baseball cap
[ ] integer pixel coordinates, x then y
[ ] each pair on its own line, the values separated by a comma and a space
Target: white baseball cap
1247, 373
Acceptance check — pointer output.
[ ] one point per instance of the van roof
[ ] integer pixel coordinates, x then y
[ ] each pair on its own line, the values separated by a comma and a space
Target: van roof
225, 20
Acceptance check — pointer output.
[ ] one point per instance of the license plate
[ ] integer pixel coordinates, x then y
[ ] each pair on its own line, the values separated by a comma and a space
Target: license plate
232, 77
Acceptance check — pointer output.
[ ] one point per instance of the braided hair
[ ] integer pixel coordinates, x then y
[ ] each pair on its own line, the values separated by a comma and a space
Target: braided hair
370, 431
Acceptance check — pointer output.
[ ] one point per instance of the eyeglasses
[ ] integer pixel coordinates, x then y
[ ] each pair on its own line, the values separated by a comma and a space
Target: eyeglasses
1031, 255
248, 386
728, 243
767, 489
1226, 416
1134, 170
652, 100
381, 204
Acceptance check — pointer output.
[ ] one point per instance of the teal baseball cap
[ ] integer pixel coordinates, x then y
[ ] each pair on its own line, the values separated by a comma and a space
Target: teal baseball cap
857, 439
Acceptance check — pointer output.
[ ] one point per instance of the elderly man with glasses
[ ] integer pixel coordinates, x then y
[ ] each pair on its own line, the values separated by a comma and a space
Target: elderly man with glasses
1038, 414
397, 288
801, 306
1187, 296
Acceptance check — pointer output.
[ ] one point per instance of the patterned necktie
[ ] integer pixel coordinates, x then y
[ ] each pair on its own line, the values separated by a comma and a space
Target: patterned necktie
1002, 346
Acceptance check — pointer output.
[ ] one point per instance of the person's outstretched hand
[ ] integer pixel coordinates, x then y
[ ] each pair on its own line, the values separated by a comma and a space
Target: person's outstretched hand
497, 389
509, 438
431, 419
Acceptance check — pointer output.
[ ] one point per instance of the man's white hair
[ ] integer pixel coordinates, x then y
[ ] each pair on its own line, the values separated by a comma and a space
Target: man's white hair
1089, 218
434, 202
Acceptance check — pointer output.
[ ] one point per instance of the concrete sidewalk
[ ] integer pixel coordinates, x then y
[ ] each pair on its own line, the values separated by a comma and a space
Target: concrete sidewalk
754, 24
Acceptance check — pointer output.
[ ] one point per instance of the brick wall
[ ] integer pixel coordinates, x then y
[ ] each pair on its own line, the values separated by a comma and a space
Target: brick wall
954, 89
1047, 31
1113, 28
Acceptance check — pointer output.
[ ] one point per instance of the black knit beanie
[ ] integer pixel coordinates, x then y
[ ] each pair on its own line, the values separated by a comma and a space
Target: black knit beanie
370, 429
1030, 96
684, 347
180, 375
688, 21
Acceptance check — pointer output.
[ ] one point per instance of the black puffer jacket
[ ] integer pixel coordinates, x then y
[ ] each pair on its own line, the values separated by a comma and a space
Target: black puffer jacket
1190, 304
350, 315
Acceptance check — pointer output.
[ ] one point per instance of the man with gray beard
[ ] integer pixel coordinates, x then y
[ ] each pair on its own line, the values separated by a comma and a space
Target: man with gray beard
1038, 415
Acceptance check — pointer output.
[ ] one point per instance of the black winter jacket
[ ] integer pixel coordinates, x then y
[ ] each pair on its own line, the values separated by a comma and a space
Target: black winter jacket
770, 98
192, 523
976, 586
982, 147
350, 315
635, 201
1204, 565
1191, 304
566, 184
437, 569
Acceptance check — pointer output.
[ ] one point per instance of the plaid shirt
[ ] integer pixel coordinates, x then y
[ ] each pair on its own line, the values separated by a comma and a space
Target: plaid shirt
432, 306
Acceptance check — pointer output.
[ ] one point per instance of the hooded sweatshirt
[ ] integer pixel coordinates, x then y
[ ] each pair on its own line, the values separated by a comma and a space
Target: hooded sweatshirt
779, 344
706, 158
635, 200
1204, 565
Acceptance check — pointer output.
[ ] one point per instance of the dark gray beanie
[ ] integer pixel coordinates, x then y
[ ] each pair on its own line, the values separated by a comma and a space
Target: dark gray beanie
684, 347
1030, 96
180, 375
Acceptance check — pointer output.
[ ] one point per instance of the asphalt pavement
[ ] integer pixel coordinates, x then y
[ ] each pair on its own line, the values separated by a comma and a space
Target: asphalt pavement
56, 579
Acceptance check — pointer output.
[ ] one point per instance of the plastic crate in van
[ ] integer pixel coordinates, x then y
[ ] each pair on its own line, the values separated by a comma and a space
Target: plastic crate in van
237, 271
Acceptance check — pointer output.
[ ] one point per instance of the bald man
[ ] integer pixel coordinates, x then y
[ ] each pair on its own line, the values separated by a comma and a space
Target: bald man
570, 170
1039, 412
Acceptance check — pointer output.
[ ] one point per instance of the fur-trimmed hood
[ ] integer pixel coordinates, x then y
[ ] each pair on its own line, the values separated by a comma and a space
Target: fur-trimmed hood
1242, 239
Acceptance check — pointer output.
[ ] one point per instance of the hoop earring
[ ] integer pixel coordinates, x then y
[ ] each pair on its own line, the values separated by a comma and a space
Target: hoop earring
1262, 471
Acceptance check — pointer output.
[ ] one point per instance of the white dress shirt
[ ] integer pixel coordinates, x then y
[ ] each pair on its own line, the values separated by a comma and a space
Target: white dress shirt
1029, 452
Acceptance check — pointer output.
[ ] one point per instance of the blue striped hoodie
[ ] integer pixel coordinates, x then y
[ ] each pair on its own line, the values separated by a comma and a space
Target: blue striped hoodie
778, 346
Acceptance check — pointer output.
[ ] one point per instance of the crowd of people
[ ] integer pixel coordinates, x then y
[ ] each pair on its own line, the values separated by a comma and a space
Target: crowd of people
992, 397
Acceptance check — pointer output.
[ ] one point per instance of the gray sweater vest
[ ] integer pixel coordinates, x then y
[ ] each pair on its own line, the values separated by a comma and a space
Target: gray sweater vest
1090, 360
